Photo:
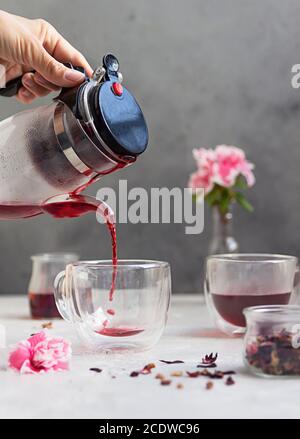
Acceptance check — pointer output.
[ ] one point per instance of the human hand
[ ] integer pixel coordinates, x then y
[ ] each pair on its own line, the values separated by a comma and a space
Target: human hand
27, 45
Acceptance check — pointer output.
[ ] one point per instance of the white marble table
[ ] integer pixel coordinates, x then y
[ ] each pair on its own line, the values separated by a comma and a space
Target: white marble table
81, 393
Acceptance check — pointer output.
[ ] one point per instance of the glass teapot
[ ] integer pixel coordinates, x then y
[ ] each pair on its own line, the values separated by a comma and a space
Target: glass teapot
60, 148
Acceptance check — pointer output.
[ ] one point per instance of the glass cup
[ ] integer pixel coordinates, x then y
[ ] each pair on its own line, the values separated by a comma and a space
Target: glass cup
45, 267
272, 340
236, 281
133, 317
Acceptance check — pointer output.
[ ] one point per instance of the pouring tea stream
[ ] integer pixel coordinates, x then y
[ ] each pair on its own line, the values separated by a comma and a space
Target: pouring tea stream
50, 154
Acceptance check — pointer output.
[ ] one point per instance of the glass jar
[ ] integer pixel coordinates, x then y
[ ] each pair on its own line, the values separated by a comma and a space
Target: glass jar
45, 267
272, 340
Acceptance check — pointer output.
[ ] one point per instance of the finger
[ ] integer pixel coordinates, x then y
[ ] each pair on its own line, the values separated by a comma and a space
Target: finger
54, 71
34, 88
13, 72
25, 96
43, 82
65, 52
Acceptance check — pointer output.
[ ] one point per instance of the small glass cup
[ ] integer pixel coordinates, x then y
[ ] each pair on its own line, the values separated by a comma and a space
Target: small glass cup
45, 268
132, 319
237, 281
272, 340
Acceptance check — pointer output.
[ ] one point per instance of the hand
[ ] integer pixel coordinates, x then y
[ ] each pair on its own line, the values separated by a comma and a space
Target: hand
27, 45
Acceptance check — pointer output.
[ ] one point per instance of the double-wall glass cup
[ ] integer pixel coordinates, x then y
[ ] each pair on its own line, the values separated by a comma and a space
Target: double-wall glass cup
115, 308
237, 281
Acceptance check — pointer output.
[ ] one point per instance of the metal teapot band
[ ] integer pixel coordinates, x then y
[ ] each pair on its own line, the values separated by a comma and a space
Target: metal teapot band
67, 149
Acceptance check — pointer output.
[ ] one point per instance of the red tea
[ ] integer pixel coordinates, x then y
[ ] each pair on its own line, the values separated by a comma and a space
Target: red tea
43, 306
18, 210
119, 332
230, 307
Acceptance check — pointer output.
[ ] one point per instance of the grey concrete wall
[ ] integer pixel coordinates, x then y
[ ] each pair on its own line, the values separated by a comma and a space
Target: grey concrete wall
205, 72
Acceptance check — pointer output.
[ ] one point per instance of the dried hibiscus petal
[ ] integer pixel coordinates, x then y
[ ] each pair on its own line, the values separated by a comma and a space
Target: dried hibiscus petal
176, 373
209, 361
159, 376
147, 369
172, 362
212, 365
193, 374
229, 381
165, 382
48, 325
209, 385
96, 369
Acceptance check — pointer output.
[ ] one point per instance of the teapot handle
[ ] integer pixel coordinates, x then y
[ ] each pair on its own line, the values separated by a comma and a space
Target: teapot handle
12, 87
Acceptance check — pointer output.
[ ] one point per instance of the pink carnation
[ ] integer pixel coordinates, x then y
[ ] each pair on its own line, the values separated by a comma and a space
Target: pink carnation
221, 166
230, 163
40, 353
203, 177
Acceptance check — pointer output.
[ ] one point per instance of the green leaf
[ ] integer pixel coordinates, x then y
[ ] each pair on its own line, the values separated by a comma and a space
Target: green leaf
243, 202
224, 205
240, 183
213, 196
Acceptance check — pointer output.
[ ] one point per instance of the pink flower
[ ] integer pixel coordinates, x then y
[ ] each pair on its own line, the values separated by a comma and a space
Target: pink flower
40, 353
230, 163
203, 177
221, 166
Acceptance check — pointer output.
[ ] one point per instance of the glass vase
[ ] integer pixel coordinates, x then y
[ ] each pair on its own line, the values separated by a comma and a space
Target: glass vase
222, 240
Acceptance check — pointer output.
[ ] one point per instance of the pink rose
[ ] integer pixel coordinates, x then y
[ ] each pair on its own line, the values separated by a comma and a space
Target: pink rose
40, 353
230, 163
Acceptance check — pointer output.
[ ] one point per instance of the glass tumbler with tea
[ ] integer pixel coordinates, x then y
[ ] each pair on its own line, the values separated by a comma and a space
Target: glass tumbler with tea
237, 281
45, 267
115, 308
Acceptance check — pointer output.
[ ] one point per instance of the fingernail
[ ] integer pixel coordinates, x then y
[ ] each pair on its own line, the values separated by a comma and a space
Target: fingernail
27, 81
26, 93
73, 75
40, 79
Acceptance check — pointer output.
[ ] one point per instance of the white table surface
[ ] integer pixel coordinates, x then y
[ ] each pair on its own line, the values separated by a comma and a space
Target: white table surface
81, 393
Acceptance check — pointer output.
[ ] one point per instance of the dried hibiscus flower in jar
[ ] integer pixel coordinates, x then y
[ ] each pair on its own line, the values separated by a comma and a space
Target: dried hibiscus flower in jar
272, 341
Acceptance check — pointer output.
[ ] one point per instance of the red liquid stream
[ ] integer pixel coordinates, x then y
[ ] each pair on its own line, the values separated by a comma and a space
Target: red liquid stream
77, 205
231, 307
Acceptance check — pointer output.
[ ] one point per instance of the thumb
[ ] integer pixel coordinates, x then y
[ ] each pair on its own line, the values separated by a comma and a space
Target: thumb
54, 71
